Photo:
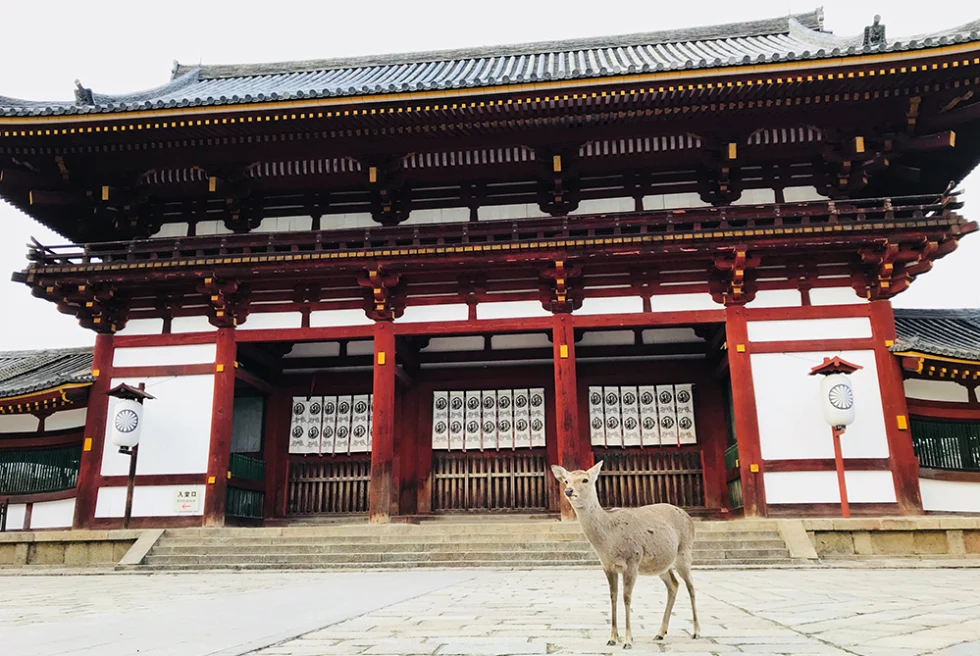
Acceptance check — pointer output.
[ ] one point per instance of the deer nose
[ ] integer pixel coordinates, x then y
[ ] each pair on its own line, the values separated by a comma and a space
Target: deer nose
568, 492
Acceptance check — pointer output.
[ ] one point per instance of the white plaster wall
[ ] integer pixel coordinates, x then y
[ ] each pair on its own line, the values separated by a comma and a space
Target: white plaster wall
835, 296
605, 206
611, 305
670, 336
285, 224
522, 211
936, 390
679, 302
314, 350
423, 313
148, 500
176, 433
821, 487
212, 228
66, 419
191, 325
791, 424
445, 215
150, 356
335, 318
444, 344
802, 194
172, 230
756, 197
347, 221
950, 496
799, 329
511, 310
533, 340
15, 516
18, 424
142, 327
53, 514
260, 320
769, 298
607, 338
673, 201
361, 347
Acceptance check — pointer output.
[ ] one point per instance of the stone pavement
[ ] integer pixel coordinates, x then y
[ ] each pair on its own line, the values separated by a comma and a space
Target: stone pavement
868, 612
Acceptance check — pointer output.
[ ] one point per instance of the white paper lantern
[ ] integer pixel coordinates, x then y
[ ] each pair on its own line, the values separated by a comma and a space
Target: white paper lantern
837, 399
127, 421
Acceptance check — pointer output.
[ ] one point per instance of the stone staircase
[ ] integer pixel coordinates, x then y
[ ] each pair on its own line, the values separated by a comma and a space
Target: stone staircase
469, 542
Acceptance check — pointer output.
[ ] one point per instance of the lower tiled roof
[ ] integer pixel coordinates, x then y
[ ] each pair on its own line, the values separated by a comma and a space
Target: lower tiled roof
944, 333
26, 372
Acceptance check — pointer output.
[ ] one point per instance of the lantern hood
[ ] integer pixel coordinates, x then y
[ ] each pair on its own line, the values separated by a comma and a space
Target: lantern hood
834, 365
124, 391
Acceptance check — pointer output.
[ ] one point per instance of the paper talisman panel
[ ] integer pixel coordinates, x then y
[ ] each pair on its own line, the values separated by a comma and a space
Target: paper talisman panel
440, 421
342, 436
614, 420
457, 420
597, 417
474, 419
360, 413
649, 425
505, 419
328, 429
522, 419
489, 432
630, 412
667, 414
304, 424
684, 404
536, 401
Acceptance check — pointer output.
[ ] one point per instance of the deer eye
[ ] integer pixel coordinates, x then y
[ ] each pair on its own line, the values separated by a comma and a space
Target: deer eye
585, 481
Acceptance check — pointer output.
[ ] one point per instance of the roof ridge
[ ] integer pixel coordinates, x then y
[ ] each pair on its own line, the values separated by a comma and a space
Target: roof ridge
813, 21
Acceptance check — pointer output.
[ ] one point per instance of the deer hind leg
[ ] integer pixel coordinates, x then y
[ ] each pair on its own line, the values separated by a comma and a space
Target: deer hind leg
612, 576
629, 580
683, 568
671, 582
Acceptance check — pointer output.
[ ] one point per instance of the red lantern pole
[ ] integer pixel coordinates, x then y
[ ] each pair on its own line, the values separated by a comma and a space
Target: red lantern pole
845, 509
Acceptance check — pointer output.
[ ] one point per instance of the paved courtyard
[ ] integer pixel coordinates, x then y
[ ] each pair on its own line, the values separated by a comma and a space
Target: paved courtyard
831, 611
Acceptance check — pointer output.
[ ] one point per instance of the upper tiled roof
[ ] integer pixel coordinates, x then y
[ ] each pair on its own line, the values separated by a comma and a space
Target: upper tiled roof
26, 372
791, 38
946, 333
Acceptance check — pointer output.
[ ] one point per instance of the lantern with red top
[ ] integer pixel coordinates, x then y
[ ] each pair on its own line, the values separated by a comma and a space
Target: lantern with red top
127, 423
837, 404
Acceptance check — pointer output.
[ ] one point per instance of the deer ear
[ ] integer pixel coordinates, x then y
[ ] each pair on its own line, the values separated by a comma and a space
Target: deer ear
594, 471
560, 473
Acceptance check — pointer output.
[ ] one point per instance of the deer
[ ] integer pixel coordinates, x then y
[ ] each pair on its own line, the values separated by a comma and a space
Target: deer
656, 539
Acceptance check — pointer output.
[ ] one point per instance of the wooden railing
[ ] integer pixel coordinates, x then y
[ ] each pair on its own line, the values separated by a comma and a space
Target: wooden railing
245, 495
947, 445
39, 470
328, 485
844, 213
641, 477
514, 481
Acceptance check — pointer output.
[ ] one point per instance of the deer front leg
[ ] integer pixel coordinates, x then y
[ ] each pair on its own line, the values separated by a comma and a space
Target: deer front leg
629, 580
613, 577
671, 582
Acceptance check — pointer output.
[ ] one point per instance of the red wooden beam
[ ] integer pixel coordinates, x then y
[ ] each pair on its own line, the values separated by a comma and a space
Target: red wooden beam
571, 451
474, 327
826, 464
809, 312
90, 468
221, 418
325, 334
649, 319
163, 370
806, 345
381, 486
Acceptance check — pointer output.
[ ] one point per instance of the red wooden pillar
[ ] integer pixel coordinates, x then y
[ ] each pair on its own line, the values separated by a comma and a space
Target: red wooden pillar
744, 409
275, 450
222, 408
90, 468
709, 404
567, 434
380, 490
901, 455
409, 449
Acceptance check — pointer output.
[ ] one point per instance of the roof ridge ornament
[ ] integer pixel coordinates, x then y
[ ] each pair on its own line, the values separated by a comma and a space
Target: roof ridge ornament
874, 34
83, 96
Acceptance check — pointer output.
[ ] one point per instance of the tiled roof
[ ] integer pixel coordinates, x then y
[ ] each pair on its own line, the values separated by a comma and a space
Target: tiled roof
26, 372
791, 38
945, 333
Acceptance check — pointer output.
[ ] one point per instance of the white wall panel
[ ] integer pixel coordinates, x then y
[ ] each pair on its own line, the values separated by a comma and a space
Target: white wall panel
211, 228
521, 211
950, 496
611, 305
936, 390
821, 487
510, 310
445, 344
314, 350
361, 347
605, 206
176, 433
150, 356
678, 302
18, 424
673, 201
148, 500
170, 230
346, 221
142, 327
423, 313
670, 336
259, 320
15, 516
332, 318
799, 329
791, 424
66, 419
802, 194
770, 298
285, 224
607, 338
445, 215
533, 340
756, 197
835, 296
192, 325
53, 514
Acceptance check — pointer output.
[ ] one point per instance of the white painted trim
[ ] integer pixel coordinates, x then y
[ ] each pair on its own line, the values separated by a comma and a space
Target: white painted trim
66, 419
681, 302
835, 296
182, 325
815, 329
435, 313
936, 390
611, 305
266, 320
775, 298
152, 356
511, 310
338, 318
18, 423
142, 327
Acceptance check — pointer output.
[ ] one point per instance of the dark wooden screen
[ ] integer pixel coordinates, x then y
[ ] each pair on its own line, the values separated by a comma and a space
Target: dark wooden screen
320, 486
642, 477
506, 480
947, 444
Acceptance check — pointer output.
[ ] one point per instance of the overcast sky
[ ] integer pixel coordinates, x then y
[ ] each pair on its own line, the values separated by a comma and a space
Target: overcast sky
118, 47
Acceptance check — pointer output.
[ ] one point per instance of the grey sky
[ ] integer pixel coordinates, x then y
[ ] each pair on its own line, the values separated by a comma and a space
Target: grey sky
116, 47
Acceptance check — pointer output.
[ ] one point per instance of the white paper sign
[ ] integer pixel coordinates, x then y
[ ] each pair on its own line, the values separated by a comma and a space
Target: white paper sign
522, 419
187, 501
505, 419
536, 401
440, 421
667, 414
684, 398
649, 428
597, 417
614, 421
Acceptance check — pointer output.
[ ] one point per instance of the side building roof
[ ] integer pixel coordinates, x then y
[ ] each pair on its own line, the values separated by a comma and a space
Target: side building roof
942, 333
28, 372
790, 38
